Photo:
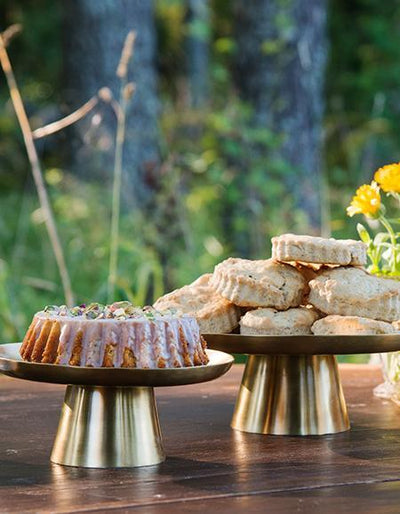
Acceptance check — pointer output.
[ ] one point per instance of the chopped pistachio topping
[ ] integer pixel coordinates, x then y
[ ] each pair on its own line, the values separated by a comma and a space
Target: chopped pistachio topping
116, 310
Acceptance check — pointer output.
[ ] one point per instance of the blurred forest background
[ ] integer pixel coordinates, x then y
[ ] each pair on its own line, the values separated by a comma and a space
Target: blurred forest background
249, 119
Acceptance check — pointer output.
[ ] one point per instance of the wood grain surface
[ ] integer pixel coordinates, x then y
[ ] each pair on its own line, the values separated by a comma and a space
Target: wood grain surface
209, 466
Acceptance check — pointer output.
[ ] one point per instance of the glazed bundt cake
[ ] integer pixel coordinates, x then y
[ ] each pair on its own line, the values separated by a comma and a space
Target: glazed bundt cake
117, 335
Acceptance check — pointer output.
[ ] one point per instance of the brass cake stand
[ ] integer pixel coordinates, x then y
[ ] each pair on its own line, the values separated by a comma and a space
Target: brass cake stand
291, 384
109, 416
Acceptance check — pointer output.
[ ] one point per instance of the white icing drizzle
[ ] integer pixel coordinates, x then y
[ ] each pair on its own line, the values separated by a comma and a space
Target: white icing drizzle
65, 343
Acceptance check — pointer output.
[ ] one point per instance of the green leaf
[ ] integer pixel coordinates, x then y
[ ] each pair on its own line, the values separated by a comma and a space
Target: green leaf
199, 29
272, 46
225, 45
381, 237
363, 233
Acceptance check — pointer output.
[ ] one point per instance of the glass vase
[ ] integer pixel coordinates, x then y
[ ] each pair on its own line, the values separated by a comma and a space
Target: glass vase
390, 388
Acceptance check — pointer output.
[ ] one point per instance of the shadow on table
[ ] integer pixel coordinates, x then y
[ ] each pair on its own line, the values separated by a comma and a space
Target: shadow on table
180, 466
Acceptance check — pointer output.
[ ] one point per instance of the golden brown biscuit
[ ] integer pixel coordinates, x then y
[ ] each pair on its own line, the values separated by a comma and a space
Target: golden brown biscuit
213, 313
319, 250
354, 292
350, 325
262, 283
268, 321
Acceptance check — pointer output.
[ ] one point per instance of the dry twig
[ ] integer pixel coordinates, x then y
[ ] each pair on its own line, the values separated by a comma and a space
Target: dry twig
77, 115
103, 94
126, 55
10, 33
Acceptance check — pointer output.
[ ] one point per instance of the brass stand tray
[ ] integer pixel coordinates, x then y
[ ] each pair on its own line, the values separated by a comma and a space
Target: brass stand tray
291, 384
109, 415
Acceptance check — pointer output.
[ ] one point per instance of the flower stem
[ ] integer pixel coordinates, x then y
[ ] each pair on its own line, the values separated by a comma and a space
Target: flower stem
389, 228
393, 241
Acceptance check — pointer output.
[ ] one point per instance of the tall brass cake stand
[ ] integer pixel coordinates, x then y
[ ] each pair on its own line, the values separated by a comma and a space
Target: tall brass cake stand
109, 416
291, 384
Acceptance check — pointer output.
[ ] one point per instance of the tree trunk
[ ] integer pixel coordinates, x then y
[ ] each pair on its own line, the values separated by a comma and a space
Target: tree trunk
197, 50
280, 68
95, 32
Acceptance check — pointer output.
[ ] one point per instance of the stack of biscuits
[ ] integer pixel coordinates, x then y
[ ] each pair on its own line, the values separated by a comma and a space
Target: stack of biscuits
311, 285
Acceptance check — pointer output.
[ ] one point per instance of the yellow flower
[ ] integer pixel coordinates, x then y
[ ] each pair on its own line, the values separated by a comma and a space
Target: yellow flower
367, 200
388, 178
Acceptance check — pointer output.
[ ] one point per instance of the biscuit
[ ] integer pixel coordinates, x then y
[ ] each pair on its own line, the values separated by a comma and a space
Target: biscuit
263, 283
318, 250
213, 313
350, 325
267, 321
354, 292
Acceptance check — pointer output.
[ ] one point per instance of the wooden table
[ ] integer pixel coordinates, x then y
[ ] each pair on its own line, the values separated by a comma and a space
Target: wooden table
209, 466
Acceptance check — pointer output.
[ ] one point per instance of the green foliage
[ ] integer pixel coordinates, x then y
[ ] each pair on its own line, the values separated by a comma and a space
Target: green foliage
37, 61
230, 184
362, 89
377, 246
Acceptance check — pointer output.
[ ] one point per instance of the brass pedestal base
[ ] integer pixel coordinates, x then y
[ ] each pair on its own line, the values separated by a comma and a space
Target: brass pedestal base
291, 395
103, 427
